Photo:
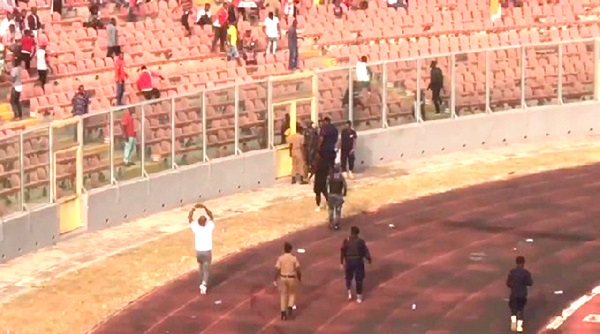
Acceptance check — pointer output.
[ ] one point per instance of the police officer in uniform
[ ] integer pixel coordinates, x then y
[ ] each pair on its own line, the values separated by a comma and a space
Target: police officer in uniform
348, 146
289, 275
336, 189
518, 280
296, 142
354, 251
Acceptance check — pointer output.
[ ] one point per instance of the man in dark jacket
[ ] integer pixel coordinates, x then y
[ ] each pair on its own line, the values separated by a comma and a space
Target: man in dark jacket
81, 102
293, 46
436, 84
311, 147
354, 251
518, 280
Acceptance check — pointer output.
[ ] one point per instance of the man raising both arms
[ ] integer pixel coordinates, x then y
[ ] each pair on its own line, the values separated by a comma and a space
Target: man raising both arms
203, 228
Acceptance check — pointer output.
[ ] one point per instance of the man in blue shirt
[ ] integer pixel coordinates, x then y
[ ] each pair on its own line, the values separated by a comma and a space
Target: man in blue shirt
518, 280
328, 141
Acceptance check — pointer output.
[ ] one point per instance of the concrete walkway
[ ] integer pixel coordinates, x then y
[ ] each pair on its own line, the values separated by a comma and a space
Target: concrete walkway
20, 275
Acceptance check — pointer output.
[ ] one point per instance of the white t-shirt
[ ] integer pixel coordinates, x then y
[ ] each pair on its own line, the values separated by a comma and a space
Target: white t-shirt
362, 74
41, 60
271, 27
203, 235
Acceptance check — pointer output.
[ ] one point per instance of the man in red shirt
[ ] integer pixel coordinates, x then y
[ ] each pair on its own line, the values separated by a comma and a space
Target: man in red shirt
220, 24
146, 85
120, 77
128, 128
27, 48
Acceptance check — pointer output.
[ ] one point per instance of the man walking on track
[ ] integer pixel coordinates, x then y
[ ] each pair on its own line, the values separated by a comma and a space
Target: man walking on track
289, 275
354, 251
203, 228
348, 145
336, 190
518, 280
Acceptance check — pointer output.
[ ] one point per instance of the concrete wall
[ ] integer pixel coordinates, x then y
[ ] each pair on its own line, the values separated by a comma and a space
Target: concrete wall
116, 204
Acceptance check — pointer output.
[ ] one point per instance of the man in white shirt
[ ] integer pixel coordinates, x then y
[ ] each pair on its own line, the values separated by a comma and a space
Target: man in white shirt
363, 75
42, 65
203, 228
272, 32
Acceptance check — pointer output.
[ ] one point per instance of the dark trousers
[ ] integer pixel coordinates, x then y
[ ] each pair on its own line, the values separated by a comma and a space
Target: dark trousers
151, 94
517, 306
185, 22
437, 100
25, 57
347, 161
220, 36
329, 157
43, 76
15, 103
355, 269
320, 187
113, 50
120, 92
293, 64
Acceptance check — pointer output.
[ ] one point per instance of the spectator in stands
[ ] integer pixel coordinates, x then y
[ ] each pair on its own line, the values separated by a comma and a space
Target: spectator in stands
42, 65
10, 39
81, 102
120, 77
363, 75
112, 38
17, 88
339, 9
249, 48
232, 41
128, 128
94, 18
146, 85
20, 19
397, 3
231, 14
293, 45
33, 22
436, 84
272, 32
289, 10
204, 16
131, 12
186, 10
8, 5
220, 25
27, 49
6, 23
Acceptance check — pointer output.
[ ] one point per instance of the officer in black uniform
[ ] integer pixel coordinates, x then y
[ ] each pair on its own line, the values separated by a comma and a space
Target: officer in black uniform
518, 280
354, 251
336, 190
320, 185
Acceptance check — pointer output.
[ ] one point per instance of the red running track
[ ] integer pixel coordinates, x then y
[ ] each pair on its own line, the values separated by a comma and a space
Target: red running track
428, 259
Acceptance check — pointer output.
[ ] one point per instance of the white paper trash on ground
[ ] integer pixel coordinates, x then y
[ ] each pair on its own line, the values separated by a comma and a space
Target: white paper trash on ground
529, 240
558, 292
301, 250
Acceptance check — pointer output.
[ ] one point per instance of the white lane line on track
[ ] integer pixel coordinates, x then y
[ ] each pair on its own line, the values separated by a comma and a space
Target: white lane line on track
569, 311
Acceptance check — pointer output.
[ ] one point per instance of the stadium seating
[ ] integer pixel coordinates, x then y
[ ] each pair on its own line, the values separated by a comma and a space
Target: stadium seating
428, 28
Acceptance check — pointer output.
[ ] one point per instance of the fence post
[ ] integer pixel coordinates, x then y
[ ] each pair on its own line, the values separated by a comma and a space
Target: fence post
384, 96
488, 72
418, 114
523, 69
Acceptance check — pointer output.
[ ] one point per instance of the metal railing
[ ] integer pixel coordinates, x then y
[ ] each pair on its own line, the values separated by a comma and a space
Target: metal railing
39, 166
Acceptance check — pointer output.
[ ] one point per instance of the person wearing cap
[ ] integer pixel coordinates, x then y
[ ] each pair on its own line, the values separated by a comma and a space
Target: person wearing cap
354, 251
289, 275
336, 190
203, 228
518, 280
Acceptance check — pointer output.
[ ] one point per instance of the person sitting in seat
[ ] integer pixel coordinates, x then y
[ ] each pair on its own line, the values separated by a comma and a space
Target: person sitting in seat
94, 19
249, 48
204, 16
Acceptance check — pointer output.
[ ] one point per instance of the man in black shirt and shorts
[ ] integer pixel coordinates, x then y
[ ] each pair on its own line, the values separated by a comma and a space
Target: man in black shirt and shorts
354, 251
518, 280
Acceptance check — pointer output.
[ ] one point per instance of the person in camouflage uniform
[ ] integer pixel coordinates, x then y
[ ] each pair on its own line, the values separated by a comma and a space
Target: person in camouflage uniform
311, 143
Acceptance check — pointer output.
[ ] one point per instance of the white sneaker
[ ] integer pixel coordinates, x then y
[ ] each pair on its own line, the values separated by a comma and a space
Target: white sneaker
345, 175
519, 326
359, 299
203, 289
349, 295
318, 209
513, 323
350, 175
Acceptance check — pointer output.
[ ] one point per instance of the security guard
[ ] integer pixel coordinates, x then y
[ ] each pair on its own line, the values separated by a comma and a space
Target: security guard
436, 84
296, 142
354, 251
518, 280
337, 190
288, 273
